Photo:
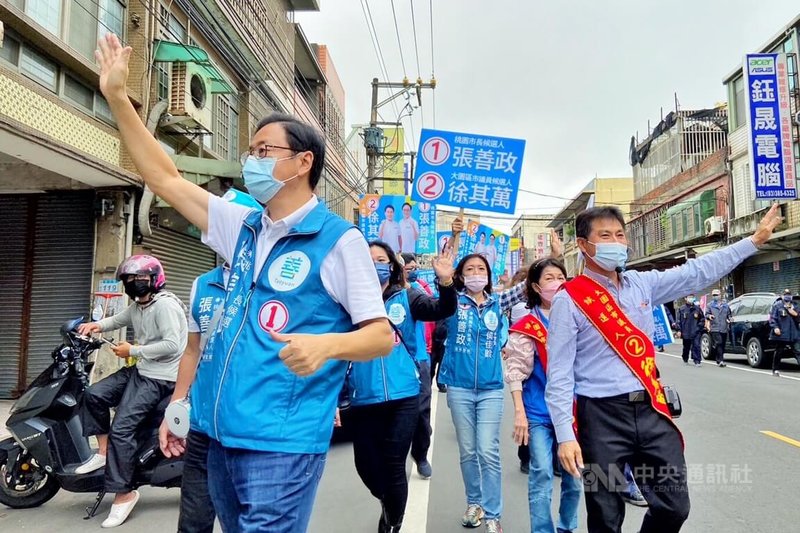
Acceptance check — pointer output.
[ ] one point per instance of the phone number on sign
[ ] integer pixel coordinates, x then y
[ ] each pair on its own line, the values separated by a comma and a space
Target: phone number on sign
777, 194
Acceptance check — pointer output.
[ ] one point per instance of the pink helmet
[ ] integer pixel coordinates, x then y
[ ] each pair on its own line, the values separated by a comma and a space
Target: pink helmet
143, 264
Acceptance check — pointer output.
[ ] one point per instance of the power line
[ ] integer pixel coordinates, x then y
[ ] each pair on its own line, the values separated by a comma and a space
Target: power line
377, 45
399, 44
433, 63
414, 26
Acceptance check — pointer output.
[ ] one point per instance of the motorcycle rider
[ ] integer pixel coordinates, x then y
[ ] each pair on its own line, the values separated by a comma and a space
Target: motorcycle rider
159, 322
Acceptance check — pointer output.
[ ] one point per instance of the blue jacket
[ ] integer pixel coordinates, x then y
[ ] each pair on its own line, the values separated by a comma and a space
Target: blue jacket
779, 317
422, 346
394, 376
691, 321
533, 387
472, 353
253, 401
209, 295
718, 313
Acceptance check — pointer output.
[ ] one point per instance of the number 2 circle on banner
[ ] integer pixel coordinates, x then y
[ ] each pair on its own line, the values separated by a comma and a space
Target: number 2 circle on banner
274, 316
435, 151
430, 186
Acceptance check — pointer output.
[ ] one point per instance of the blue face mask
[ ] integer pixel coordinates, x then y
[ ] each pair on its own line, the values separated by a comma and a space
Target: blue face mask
787, 298
384, 272
259, 178
610, 255
412, 276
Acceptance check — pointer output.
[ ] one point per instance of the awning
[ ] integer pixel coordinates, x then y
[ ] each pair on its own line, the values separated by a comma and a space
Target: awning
670, 258
705, 196
169, 52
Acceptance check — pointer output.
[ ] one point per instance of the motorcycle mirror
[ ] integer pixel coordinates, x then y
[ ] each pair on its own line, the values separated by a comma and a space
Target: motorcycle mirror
70, 327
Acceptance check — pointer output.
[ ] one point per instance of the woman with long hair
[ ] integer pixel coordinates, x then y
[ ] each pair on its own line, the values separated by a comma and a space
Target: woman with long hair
385, 391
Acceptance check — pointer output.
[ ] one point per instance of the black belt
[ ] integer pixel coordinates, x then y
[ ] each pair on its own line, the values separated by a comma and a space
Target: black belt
638, 396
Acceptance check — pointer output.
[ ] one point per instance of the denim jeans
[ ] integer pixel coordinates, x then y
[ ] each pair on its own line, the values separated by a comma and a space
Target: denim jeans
476, 416
263, 491
542, 439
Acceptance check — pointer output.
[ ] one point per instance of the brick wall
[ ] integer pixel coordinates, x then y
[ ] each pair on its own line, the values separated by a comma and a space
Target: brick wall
688, 180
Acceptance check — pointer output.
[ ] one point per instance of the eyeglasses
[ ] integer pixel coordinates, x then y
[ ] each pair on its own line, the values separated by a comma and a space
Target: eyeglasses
265, 150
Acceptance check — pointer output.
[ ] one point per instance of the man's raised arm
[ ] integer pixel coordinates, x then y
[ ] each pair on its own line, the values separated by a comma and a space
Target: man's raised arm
153, 163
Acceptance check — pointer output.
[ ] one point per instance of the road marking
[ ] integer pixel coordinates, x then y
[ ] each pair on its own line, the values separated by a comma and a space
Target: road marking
416, 518
780, 437
754, 371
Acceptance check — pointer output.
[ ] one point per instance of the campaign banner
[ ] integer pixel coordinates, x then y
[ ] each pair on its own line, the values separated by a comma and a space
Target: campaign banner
662, 333
429, 276
405, 225
490, 243
468, 170
769, 119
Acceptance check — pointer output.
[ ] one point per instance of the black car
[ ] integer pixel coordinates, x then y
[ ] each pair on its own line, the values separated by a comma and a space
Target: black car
749, 329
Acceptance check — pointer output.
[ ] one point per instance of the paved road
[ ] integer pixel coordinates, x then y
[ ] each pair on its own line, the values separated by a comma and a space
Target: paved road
725, 412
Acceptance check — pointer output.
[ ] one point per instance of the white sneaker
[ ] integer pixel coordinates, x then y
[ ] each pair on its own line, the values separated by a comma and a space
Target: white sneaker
119, 512
96, 462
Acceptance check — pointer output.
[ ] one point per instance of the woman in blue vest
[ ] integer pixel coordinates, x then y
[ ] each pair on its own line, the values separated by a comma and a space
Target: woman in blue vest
385, 391
526, 375
473, 373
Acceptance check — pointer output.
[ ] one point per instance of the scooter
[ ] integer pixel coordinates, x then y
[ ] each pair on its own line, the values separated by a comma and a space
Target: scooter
47, 442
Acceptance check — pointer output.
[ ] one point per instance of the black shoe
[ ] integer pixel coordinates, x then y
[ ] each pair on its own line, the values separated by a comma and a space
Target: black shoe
634, 498
722, 364
524, 467
442, 388
661, 349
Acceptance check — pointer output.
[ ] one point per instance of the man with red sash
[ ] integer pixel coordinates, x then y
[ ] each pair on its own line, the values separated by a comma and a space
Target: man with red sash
599, 349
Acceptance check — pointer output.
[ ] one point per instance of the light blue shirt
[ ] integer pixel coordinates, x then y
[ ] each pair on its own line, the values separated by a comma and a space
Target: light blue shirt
581, 362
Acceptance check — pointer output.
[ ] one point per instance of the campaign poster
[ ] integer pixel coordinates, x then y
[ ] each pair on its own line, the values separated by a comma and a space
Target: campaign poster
405, 225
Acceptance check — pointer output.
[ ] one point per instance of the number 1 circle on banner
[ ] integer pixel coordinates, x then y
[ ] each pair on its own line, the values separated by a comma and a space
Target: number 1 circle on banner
430, 186
435, 151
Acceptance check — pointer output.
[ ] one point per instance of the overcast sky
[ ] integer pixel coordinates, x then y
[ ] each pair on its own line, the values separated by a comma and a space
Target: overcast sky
574, 78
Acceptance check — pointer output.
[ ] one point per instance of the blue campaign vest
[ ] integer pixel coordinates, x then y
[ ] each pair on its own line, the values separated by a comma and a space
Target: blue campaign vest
394, 376
533, 387
208, 296
472, 352
257, 403
422, 345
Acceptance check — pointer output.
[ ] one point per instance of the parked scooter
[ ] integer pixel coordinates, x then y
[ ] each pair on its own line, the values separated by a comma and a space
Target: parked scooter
47, 443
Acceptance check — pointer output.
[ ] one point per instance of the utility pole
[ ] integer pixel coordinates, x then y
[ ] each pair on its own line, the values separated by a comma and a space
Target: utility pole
373, 136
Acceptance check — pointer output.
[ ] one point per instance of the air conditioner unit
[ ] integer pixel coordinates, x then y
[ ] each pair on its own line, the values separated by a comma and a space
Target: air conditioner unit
714, 225
190, 96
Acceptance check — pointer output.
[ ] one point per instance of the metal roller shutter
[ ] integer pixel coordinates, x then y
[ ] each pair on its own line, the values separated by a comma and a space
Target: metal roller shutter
13, 221
763, 277
183, 257
62, 270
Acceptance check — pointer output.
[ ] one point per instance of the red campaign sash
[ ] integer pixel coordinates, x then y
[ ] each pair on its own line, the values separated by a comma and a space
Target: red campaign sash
631, 344
532, 327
